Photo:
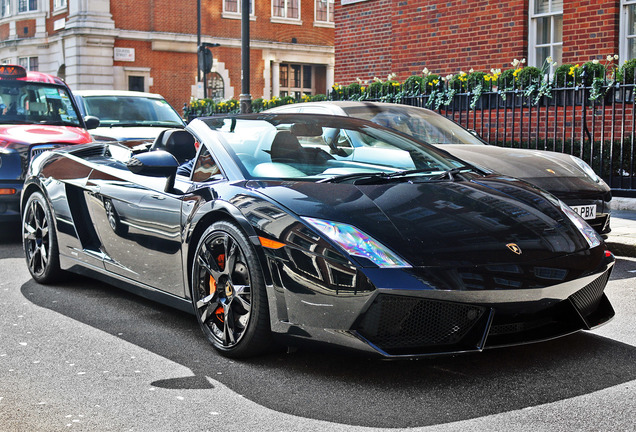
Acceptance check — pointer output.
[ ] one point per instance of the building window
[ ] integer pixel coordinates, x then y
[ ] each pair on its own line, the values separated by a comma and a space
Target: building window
5, 8
59, 4
234, 6
296, 80
627, 43
286, 9
324, 11
136, 83
216, 87
29, 63
27, 5
546, 31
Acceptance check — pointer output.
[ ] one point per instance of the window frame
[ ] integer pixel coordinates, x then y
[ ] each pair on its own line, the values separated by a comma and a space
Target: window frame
6, 6
28, 61
238, 14
533, 34
292, 90
286, 19
28, 4
330, 12
624, 36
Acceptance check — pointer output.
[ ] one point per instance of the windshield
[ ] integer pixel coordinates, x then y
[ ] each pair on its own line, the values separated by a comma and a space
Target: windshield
322, 147
131, 111
420, 123
36, 103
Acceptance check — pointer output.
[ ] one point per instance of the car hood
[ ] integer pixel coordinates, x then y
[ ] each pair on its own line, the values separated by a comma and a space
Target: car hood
44, 134
552, 171
126, 133
441, 223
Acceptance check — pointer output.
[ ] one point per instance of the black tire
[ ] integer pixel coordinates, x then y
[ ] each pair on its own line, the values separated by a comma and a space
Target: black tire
113, 218
228, 292
39, 239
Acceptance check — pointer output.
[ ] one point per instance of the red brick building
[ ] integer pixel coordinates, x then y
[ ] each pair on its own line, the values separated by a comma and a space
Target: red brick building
379, 37
151, 45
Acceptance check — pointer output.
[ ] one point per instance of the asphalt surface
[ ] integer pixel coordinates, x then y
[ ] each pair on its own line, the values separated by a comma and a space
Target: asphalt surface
82, 355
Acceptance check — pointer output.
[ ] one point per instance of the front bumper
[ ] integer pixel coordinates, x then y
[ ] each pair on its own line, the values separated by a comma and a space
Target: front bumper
397, 325
430, 311
10, 203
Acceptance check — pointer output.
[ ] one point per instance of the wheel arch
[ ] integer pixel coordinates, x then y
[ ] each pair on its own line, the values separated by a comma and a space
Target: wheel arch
28, 190
231, 215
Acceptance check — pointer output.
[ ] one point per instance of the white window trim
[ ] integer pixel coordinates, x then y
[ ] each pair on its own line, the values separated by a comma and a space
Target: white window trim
285, 20
57, 10
622, 32
532, 34
238, 15
17, 7
317, 23
11, 11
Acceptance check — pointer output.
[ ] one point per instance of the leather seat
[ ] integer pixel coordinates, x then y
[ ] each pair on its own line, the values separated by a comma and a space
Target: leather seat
178, 142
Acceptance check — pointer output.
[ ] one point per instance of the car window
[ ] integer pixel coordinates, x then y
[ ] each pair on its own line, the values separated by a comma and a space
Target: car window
205, 168
314, 147
131, 111
37, 103
422, 124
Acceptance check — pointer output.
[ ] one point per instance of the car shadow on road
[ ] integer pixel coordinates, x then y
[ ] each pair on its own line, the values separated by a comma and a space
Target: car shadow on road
10, 240
328, 385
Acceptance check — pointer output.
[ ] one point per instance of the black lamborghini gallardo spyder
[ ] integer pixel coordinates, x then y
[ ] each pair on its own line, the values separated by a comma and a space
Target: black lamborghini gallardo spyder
324, 228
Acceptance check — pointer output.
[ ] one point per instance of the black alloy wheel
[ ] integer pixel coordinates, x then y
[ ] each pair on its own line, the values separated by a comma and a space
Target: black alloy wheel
113, 218
228, 292
40, 240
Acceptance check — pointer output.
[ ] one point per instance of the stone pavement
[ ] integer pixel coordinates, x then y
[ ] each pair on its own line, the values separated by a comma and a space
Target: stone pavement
622, 240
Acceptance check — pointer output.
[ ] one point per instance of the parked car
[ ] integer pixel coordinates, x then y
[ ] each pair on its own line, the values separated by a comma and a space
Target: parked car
128, 115
383, 243
567, 177
37, 113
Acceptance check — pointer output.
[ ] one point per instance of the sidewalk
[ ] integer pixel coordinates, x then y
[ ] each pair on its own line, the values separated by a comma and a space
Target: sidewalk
622, 240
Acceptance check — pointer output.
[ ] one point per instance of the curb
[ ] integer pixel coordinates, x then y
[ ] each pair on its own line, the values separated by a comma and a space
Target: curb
621, 203
621, 249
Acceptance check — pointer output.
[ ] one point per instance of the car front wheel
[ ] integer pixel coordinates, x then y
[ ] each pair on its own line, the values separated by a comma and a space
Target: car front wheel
40, 240
228, 292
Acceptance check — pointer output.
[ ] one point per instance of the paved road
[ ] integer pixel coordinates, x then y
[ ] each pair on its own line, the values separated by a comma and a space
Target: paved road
86, 356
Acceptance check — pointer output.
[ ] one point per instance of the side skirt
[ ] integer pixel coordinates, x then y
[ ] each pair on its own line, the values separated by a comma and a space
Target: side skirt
145, 291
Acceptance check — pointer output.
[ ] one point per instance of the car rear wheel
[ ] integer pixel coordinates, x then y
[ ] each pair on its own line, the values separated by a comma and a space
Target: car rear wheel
40, 240
228, 292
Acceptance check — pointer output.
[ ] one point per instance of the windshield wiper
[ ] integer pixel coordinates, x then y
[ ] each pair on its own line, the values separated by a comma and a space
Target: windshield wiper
344, 177
380, 175
59, 123
451, 173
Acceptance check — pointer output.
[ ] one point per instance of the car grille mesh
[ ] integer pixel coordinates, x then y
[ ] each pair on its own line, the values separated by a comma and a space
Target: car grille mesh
587, 299
407, 322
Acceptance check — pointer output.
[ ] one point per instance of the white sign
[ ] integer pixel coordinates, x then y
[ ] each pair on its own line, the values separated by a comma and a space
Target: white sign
124, 54
59, 24
346, 2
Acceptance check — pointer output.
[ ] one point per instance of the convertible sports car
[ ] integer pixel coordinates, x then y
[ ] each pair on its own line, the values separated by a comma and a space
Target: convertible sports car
567, 177
321, 228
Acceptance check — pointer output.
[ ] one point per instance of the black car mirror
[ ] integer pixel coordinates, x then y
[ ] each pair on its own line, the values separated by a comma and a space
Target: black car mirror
91, 122
155, 164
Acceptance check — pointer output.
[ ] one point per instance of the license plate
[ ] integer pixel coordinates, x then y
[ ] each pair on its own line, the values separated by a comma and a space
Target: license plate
586, 211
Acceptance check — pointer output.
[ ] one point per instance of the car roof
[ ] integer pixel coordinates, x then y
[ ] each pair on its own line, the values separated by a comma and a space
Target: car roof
89, 93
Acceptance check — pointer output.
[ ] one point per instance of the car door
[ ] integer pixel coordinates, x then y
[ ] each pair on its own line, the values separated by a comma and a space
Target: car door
139, 225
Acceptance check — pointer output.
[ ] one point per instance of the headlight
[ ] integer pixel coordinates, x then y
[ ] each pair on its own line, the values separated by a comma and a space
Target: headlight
357, 243
593, 239
586, 169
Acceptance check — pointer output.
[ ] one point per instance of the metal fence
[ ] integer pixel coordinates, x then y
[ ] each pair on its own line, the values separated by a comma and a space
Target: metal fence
594, 123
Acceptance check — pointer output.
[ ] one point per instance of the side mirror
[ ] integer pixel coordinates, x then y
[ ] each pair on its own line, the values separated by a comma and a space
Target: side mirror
155, 164
91, 122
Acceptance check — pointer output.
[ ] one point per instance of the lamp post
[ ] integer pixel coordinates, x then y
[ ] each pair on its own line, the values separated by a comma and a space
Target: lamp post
245, 97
